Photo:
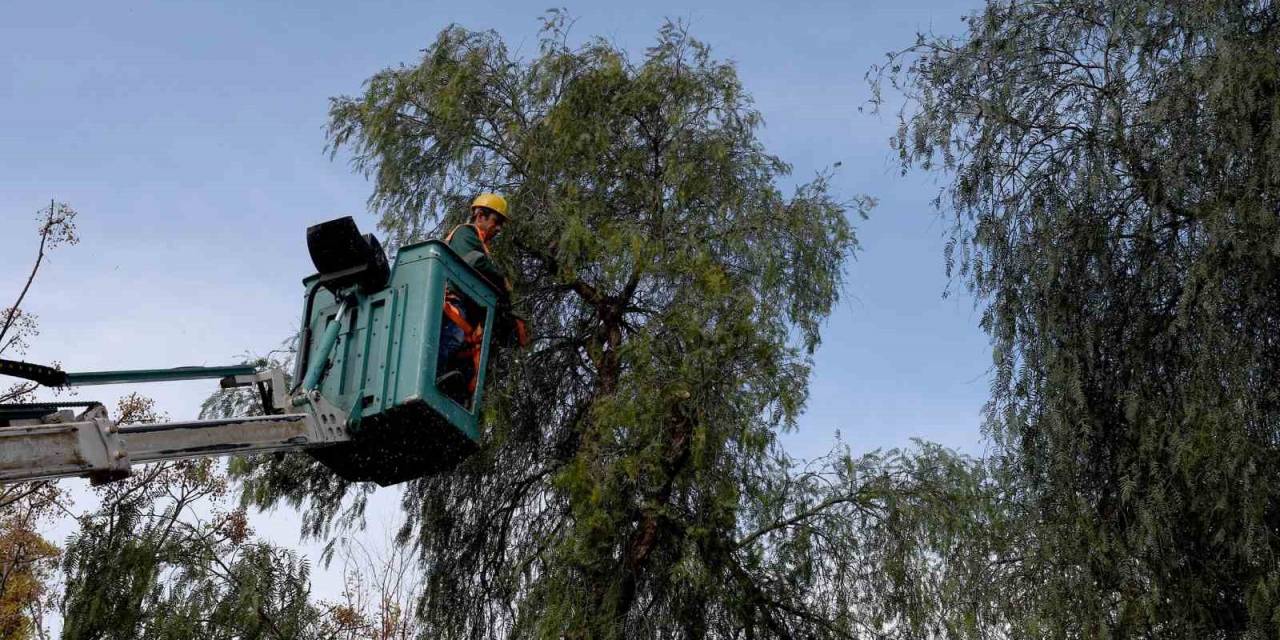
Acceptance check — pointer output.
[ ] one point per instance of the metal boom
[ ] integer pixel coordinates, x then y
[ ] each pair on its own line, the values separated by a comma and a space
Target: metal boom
60, 444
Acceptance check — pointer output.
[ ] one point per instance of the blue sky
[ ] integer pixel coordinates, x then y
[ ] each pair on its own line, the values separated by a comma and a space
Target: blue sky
190, 137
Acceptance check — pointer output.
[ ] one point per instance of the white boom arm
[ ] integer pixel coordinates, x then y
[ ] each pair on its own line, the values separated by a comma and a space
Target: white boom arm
61, 445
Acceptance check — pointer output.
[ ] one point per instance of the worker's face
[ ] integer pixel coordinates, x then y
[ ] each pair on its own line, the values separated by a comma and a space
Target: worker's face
487, 221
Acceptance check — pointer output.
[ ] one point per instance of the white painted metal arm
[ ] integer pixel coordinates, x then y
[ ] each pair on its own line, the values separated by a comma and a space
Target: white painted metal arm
98, 449
91, 445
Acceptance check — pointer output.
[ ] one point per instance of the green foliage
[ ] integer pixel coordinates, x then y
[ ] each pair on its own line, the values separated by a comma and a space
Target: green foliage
146, 566
889, 545
27, 559
161, 558
1114, 196
630, 483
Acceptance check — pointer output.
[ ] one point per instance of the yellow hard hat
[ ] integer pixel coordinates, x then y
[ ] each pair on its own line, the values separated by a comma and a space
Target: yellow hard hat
493, 202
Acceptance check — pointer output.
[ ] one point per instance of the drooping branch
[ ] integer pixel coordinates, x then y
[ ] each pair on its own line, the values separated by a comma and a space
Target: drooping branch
811, 512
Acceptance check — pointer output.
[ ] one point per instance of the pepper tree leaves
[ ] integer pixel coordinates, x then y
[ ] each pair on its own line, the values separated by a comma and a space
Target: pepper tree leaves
1114, 198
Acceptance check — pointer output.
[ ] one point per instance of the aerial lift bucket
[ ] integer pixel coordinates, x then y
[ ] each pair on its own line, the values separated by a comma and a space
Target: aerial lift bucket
369, 343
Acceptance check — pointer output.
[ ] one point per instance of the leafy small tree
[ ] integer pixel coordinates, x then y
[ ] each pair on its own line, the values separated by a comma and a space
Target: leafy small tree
27, 559
381, 585
1116, 203
631, 483
162, 557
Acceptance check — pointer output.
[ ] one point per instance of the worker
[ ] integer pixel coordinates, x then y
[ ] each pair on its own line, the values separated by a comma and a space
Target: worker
470, 240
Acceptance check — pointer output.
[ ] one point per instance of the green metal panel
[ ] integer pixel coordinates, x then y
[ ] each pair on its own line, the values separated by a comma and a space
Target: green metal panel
383, 364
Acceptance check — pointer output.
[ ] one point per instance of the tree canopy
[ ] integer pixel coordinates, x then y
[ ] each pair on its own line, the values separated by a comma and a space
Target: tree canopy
1116, 204
630, 482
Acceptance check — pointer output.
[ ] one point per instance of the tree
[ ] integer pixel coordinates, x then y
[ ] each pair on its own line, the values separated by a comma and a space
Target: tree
27, 559
381, 587
630, 481
162, 557
1114, 193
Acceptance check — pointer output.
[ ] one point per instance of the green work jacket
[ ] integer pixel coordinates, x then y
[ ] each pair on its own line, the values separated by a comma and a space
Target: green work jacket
465, 241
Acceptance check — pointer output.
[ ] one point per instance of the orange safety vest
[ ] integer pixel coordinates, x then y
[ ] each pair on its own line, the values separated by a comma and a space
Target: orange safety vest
472, 340
473, 336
